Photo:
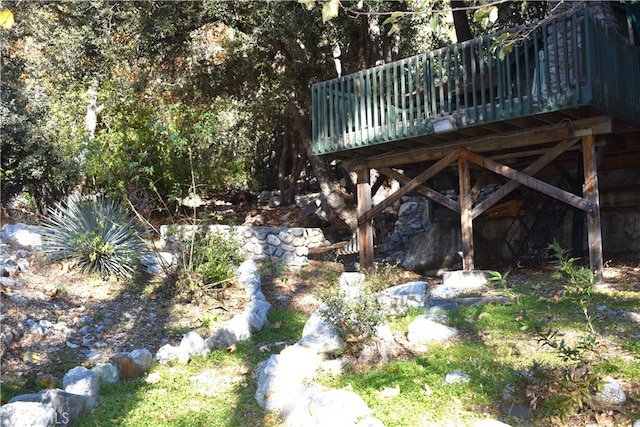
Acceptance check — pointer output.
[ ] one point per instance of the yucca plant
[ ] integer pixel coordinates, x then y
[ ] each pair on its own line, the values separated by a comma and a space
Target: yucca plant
98, 235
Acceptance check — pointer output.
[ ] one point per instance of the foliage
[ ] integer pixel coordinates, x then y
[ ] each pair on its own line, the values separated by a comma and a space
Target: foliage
99, 235
498, 278
571, 387
355, 317
159, 147
207, 262
581, 280
381, 277
32, 161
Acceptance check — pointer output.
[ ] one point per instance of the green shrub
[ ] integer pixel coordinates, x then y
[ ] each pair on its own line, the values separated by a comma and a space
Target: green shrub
566, 390
355, 319
98, 235
208, 261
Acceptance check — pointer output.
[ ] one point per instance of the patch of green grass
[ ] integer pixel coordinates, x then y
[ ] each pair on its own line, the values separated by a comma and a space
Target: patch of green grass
496, 344
17, 385
217, 390
208, 391
422, 392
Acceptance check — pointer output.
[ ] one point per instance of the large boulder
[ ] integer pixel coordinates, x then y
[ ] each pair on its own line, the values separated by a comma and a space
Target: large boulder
82, 381
69, 407
434, 249
281, 379
28, 414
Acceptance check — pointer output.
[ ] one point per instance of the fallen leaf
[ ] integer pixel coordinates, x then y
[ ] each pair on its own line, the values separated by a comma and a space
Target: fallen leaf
6, 19
48, 381
277, 325
32, 357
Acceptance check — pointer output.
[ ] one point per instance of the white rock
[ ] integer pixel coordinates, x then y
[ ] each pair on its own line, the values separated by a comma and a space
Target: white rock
611, 394
222, 338
351, 284
336, 366
168, 353
69, 407
159, 262
316, 407
23, 235
193, 344
424, 330
279, 379
142, 358
456, 377
445, 292
397, 299
28, 414
257, 310
82, 381
240, 326
319, 335
106, 372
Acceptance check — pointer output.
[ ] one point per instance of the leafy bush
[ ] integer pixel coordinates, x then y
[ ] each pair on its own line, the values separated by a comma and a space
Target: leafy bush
355, 318
566, 390
98, 235
208, 261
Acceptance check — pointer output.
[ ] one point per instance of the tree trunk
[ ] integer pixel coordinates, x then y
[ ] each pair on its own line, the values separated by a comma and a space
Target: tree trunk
337, 198
289, 174
461, 21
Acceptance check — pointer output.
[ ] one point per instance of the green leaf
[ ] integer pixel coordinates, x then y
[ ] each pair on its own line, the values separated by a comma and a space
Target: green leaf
330, 10
394, 28
501, 54
393, 18
307, 2
479, 15
6, 19
435, 21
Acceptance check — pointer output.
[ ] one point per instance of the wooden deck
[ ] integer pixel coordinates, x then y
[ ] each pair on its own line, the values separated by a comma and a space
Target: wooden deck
564, 86
586, 72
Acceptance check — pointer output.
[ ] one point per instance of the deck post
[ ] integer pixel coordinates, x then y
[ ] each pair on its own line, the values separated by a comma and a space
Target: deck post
591, 193
466, 219
365, 228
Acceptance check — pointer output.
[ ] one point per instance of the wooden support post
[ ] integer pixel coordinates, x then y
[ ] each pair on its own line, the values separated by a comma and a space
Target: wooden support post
466, 221
591, 193
365, 228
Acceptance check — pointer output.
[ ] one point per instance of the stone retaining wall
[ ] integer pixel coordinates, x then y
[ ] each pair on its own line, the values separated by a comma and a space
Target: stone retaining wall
275, 244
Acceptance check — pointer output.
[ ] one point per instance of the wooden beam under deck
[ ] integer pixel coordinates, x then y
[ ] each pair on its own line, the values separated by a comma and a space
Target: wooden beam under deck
531, 170
593, 217
466, 220
568, 138
365, 228
511, 140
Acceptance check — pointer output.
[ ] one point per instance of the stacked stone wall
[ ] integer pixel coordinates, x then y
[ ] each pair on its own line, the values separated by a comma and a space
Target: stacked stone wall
273, 244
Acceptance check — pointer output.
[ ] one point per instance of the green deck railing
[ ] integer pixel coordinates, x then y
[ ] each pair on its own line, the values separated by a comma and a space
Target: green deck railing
568, 62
